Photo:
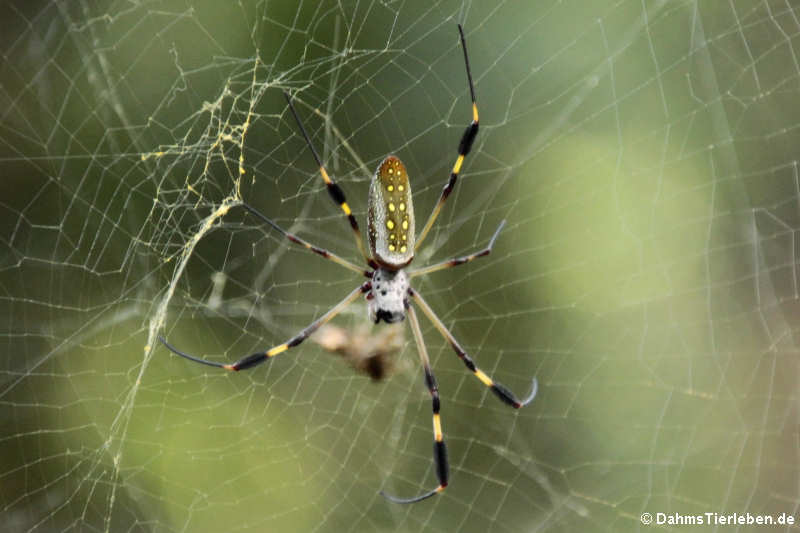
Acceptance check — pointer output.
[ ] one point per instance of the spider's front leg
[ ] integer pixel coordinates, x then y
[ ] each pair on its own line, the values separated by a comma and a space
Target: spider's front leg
257, 358
439, 447
498, 389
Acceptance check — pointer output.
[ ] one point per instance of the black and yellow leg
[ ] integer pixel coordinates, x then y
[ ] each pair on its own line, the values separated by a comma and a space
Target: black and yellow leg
439, 447
458, 260
336, 192
259, 357
464, 146
317, 250
497, 388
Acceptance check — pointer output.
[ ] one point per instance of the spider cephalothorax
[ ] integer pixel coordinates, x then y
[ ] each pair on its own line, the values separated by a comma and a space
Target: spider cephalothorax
387, 299
392, 243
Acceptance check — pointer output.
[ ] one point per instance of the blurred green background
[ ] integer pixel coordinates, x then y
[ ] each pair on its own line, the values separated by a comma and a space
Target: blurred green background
644, 155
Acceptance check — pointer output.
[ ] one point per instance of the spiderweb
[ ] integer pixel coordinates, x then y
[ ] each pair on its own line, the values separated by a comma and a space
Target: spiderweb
643, 153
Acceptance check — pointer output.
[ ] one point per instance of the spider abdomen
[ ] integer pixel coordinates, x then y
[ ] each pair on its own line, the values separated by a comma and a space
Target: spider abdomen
390, 215
387, 299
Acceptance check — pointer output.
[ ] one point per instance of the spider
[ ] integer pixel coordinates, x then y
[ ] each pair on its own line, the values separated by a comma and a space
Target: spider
389, 295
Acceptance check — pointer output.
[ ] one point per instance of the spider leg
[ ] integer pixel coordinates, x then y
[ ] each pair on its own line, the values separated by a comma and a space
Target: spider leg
317, 250
439, 448
500, 390
458, 260
464, 147
257, 358
336, 192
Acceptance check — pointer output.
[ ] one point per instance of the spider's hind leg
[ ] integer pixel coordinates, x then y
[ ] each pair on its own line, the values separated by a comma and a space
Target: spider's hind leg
336, 193
464, 147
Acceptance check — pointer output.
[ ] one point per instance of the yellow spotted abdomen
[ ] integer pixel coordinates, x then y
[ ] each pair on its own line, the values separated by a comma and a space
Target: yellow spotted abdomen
390, 216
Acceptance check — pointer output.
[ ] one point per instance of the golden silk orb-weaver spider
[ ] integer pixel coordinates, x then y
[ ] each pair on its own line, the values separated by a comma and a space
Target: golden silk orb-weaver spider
392, 243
